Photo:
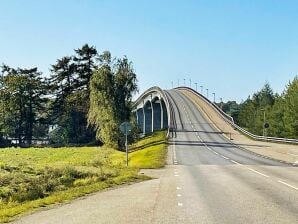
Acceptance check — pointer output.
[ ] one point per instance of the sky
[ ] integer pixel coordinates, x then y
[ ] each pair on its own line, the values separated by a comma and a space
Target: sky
231, 47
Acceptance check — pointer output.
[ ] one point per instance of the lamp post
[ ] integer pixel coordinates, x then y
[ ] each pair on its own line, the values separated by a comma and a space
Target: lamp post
172, 85
264, 128
196, 86
184, 81
207, 93
201, 90
213, 97
178, 83
189, 83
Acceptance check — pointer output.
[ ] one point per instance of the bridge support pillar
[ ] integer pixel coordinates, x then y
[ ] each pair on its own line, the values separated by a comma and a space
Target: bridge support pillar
140, 118
148, 117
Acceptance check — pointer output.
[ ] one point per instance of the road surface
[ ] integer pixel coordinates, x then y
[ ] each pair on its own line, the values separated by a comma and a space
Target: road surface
209, 181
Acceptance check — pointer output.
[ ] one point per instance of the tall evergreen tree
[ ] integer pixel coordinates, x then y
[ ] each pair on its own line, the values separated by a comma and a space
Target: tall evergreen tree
22, 101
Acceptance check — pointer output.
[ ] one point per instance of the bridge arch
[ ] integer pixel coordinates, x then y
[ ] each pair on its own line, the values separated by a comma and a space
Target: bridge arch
153, 111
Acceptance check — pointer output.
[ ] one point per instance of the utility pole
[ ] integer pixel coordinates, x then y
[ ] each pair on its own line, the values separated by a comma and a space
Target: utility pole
213, 97
196, 86
207, 93
201, 90
184, 81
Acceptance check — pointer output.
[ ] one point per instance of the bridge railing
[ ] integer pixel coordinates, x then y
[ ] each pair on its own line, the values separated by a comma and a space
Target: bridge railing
230, 120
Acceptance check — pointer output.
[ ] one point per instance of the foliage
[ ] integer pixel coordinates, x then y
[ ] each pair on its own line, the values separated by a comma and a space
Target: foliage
111, 88
22, 102
69, 83
280, 111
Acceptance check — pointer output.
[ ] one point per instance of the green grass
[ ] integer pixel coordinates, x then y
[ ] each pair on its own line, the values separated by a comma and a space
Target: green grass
148, 153
37, 177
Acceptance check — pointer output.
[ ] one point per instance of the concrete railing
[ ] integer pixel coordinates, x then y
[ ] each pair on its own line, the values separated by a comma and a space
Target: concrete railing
170, 111
230, 120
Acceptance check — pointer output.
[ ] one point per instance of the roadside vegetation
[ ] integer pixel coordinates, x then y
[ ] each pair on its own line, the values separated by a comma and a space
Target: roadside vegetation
36, 177
279, 110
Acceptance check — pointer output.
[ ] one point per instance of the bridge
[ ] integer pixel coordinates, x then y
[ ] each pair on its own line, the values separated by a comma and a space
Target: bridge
154, 110
220, 172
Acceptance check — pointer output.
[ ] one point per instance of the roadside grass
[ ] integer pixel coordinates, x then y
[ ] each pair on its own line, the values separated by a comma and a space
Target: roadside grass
148, 153
37, 177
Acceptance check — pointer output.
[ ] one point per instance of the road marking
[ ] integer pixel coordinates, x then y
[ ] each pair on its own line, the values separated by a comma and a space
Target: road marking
180, 204
179, 195
178, 188
289, 185
224, 157
176, 175
258, 172
215, 152
235, 162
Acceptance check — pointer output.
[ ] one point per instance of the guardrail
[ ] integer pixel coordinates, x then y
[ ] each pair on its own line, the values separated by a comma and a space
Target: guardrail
230, 120
169, 106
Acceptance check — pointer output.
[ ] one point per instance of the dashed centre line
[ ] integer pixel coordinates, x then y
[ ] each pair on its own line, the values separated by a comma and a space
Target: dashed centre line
258, 172
233, 161
225, 157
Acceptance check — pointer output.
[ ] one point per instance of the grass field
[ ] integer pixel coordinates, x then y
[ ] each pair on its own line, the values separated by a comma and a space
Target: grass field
36, 177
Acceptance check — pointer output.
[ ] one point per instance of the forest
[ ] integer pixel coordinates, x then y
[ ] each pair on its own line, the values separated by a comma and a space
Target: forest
278, 111
74, 104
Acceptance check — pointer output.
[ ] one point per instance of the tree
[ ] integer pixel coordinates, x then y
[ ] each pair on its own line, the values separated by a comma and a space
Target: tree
70, 87
22, 102
85, 65
111, 88
291, 109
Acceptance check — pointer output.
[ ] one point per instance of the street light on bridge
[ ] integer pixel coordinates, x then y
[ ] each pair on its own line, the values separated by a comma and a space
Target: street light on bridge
207, 93
190, 83
213, 97
184, 81
196, 86
201, 90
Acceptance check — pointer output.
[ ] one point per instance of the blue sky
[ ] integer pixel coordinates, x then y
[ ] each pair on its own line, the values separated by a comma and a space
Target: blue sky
230, 47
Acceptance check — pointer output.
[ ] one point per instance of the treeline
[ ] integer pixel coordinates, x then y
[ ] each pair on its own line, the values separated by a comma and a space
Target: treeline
57, 107
280, 111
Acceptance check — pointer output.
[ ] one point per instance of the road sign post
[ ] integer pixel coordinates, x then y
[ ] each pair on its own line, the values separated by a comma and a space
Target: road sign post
125, 128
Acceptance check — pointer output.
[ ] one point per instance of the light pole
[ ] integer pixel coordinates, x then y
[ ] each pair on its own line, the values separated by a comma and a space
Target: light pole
172, 84
196, 86
213, 97
178, 83
264, 128
207, 93
184, 81
201, 90
221, 103
189, 83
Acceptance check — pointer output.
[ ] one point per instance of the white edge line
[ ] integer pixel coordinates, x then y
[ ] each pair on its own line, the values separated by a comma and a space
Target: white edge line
289, 185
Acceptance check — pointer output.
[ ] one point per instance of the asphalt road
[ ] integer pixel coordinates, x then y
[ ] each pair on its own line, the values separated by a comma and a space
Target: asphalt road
209, 181
221, 183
